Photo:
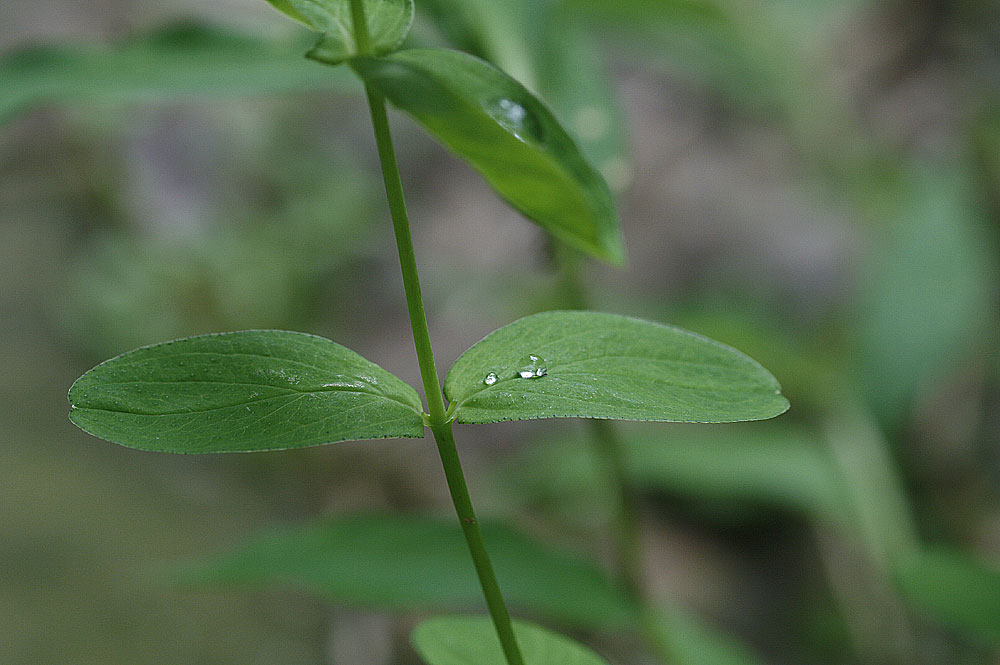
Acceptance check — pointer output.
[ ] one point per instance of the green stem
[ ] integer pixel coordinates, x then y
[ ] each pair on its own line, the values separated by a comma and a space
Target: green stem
361, 35
610, 446
629, 539
425, 357
407, 259
474, 538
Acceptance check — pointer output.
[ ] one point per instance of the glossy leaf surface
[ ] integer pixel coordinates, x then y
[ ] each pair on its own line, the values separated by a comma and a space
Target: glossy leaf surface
400, 562
183, 59
466, 640
955, 589
388, 23
240, 392
594, 365
491, 121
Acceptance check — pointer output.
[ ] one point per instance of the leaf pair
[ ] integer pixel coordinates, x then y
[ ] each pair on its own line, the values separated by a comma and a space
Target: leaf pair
268, 390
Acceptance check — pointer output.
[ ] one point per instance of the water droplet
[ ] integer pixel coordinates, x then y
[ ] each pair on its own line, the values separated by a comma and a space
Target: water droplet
491, 378
516, 119
532, 367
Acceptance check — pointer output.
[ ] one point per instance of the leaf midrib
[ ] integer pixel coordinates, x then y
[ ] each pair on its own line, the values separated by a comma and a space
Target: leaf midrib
243, 402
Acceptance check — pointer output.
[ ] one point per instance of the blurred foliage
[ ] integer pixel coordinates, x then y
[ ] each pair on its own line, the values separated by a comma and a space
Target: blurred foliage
871, 110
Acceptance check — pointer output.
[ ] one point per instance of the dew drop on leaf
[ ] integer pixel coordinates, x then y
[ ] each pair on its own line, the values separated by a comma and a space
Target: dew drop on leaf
516, 119
491, 378
532, 367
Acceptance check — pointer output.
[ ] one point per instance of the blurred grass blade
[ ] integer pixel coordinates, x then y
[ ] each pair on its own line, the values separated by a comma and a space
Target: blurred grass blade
763, 464
472, 640
955, 589
399, 562
183, 59
491, 121
594, 365
242, 392
689, 641
574, 76
501, 31
927, 292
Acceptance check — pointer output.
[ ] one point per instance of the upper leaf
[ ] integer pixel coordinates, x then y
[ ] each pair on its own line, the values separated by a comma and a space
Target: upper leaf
241, 392
593, 365
464, 640
494, 123
388, 23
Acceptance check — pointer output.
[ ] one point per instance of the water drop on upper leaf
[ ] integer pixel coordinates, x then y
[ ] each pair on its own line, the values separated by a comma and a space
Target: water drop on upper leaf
516, 119
491, 378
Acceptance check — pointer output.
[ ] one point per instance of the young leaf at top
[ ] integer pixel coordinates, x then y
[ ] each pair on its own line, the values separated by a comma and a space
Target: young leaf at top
468, 640
388, 23
594, 365
242, 392
494, 123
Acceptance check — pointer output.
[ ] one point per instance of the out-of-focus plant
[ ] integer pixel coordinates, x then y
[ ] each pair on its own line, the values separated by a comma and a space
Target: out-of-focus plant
266, 390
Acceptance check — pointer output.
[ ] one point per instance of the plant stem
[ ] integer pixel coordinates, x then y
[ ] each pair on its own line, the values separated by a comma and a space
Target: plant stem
407, 259
437, 420
432, 388
474, 538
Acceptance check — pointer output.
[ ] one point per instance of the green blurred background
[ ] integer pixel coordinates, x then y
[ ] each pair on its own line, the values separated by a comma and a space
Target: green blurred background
816, 183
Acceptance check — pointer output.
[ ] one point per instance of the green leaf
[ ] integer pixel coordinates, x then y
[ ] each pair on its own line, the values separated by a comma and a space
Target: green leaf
955, 589
472, 640
491, 121
593, 365
183, 59
241, 392
388, 24
418, 563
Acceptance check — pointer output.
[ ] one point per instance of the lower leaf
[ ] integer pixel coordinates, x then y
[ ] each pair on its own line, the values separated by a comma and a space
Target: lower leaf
471, 640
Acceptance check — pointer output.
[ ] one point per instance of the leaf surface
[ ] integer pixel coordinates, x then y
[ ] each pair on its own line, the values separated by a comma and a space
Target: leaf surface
508, 135
466, 640
388, 24
594, 365
241, 392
